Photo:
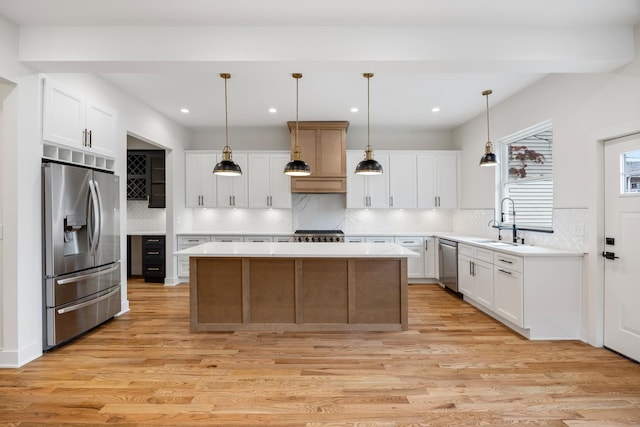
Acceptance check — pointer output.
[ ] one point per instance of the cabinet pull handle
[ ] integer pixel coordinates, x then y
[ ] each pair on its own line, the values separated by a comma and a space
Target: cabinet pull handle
153, 240
470, 268
153, 268
438, 201
426, 245
505, 272
505, 260
391, 201
153, 253
90, 139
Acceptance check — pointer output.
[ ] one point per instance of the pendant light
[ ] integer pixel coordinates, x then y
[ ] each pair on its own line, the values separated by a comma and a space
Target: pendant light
368, 166
297, 167
489, 158
226, 167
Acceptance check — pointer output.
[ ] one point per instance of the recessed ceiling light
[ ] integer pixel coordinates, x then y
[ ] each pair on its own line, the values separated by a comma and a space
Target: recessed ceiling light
273, 110
354, 109
435, 109
184, 110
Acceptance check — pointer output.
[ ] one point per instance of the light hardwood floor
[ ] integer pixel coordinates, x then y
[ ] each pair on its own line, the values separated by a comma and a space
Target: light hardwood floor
454, 367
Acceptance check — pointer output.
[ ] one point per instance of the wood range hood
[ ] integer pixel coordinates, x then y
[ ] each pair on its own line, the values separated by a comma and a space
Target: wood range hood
323, 146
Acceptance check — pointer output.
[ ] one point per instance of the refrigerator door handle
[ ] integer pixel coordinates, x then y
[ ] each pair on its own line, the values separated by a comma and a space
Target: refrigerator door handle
87, 303
88, 276
93, 235
96, 201
100, 207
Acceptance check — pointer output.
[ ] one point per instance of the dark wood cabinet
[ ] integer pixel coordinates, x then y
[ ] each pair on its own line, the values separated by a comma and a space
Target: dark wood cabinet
153, 258
146, 177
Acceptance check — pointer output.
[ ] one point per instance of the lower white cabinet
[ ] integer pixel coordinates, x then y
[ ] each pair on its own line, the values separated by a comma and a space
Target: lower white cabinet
539, 296
430, 250
509, 294
475, 274
509, 287
185, 242
415, 266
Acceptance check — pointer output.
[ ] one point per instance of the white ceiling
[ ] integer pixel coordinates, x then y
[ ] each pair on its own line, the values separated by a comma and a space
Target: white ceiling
424, 53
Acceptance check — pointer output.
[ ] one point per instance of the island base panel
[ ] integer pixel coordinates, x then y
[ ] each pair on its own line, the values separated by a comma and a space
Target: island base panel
289, 294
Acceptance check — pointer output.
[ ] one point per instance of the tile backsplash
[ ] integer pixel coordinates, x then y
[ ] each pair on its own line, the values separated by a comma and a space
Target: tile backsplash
328, 211
142, 219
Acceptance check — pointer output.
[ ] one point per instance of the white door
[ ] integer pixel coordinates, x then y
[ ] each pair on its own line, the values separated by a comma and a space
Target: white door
622, 223
279, 183
403, 176
64, 115
447, 181
101, 125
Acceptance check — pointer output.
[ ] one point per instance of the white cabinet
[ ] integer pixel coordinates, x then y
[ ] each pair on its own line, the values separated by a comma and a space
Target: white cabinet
509, 288
415, 266
475, 274
200, 182
227, 238
233, 191
367, 191
75, 121
437, 181
185, 242
430, 251
379, 239
403, 180
269, 187
258, 239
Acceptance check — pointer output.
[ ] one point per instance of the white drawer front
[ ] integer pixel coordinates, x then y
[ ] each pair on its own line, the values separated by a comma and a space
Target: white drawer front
507, 261
410, 241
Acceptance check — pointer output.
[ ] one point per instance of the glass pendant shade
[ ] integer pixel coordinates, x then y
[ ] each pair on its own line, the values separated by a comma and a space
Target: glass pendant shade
368, 166
226, 167
297, 166
489, 158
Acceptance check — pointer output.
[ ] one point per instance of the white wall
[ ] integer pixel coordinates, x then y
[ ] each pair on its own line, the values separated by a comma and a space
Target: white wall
21, 277
584, 109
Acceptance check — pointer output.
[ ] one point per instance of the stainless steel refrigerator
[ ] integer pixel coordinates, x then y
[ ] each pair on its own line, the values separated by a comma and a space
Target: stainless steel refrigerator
81, 250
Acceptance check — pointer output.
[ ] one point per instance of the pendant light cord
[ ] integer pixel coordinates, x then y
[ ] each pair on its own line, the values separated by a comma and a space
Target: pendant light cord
488, 133
297, 151
368, 112
226, 113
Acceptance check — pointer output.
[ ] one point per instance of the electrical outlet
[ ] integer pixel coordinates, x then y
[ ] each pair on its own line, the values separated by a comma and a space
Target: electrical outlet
578, 229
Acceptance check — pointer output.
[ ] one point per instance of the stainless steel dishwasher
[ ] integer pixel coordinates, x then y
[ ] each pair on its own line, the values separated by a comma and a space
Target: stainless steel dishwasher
448, 263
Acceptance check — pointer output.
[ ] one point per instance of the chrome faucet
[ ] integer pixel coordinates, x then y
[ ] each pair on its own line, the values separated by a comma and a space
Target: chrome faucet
513, 212
495, 224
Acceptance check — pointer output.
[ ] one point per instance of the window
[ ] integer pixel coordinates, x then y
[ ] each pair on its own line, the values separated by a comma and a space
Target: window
631, 172
527, 177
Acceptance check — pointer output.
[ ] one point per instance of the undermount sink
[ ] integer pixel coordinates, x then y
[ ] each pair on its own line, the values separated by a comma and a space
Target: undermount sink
498, 243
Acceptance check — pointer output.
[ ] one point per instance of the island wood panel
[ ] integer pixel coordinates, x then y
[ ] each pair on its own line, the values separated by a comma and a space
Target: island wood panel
376, 298
272, 296
325, 293
332, 294
218, 294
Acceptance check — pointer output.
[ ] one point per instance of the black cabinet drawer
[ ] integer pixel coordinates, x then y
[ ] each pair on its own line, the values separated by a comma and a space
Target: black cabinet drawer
153, 258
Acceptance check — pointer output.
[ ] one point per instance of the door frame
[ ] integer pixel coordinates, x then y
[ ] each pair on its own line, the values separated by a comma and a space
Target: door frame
593, 308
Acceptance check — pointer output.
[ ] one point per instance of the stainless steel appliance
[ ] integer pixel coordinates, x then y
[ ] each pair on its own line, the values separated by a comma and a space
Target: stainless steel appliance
316, 236
448, 263
81, 250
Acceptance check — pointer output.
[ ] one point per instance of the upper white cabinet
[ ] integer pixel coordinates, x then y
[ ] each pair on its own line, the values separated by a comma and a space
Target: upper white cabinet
438, 180
367, 191
269, 187
200, 182
403, 181
411, 179
233, 191
73, 120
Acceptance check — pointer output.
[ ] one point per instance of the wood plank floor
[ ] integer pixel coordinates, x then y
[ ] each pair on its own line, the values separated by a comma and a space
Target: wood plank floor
454, 367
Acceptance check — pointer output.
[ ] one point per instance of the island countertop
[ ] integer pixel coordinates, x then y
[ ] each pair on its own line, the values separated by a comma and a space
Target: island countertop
298, 250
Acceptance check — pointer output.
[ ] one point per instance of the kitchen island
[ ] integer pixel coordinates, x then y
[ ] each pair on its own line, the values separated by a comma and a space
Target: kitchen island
240, 286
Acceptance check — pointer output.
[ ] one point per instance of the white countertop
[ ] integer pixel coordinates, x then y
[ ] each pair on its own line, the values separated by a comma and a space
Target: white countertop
146, 233
298, 250
508, 247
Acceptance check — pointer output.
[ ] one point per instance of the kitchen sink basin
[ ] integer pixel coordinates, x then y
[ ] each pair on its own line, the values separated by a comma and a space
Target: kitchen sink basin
498, 243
